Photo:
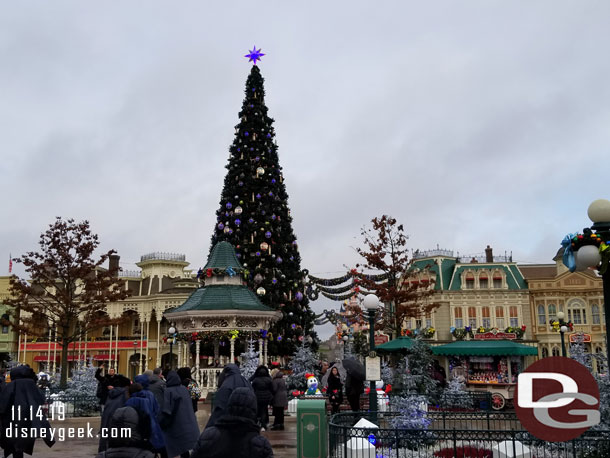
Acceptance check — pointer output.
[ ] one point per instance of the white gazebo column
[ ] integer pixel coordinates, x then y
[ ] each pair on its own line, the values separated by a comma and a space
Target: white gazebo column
260, 351
158, 340
147, 339
141, 362
197, 346
110, 364
179, 354
115, 362
232, 351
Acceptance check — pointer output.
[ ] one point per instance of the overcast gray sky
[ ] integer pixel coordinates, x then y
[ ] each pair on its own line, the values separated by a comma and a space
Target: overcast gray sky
471, 122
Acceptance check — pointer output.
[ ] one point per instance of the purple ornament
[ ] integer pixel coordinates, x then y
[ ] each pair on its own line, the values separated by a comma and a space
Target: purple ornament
258, 253
237, 222
268, 234
268, 135
258, 196
251, 220
273, 217
273, 181
279, 338
299, 296
246, 133
262, 212
278, 260
292, 258
251, 149
251, 106
241, 183
270, 193
238, 255
221, 226
257, 158
293, 326
274, 281
238, 149
229, 205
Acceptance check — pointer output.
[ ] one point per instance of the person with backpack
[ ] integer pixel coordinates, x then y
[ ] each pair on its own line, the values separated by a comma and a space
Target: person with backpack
236, 434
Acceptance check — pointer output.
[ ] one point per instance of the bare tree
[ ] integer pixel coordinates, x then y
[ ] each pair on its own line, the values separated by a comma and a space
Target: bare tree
385, 253
67, 288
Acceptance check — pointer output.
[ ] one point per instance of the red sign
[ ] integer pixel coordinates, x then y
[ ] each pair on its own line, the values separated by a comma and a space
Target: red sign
496, 336
101, 345
381, 339
585, 338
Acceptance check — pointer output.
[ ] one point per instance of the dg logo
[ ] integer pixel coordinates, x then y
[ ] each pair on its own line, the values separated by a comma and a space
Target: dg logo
557, 399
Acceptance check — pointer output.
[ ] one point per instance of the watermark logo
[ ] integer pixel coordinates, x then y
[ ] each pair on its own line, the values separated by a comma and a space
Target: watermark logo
557, 399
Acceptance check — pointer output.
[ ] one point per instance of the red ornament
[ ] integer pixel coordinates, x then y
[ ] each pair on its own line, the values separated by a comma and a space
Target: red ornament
208, 272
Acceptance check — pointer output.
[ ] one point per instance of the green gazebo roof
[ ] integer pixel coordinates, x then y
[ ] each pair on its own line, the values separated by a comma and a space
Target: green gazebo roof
223, 297
223, 256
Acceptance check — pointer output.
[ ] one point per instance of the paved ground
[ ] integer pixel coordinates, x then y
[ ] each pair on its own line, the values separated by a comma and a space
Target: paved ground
283, 442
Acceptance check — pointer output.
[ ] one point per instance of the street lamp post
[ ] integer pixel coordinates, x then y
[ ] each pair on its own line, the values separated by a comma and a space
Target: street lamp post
599, 214
172, 332
563, 328
133, 363
371, 303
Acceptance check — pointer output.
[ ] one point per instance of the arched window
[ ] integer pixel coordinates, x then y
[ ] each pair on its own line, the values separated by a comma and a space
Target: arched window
472, 317
486, 318
459, 322
500, 316
545, 352
514, 316
469, 280
595, 314
497, 279
552, 311
541, 314
555, 351
577, 313
483, 281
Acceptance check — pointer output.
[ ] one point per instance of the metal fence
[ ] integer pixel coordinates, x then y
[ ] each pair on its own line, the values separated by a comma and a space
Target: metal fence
470, 439
58, 406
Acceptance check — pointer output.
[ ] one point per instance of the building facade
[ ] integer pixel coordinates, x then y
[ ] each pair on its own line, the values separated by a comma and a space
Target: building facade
8, 338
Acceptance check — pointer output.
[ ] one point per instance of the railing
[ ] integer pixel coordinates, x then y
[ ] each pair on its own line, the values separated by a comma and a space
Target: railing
481, 258
207, 378
130, 273
158, 256
345, 440
431, 253
60, 405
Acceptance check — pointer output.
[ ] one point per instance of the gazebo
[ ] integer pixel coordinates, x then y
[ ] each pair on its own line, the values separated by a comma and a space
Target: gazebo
223, 309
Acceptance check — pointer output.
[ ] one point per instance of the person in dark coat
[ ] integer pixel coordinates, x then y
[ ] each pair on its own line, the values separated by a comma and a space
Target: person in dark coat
263, 389
354, 387
22, 393
157, 386
178, 422
280, 399
186, 379
229, 379
335, 390
107, 382
117, 397
134, 446
145, 403
236, 434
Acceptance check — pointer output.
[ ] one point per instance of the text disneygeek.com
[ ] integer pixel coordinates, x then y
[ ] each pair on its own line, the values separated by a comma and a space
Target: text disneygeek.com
62, 433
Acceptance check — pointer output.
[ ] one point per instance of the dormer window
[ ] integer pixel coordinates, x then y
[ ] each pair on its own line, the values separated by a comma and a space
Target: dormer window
483, 281
497, 279
469, 281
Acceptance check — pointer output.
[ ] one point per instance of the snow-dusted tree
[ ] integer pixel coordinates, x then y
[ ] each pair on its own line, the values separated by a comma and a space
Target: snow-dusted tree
249, 361
413, 375
387, 373
579, 353
303, 361
413, 412
455, 395
81, 389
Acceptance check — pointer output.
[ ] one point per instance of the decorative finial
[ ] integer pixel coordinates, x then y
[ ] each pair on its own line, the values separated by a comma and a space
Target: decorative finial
255, 54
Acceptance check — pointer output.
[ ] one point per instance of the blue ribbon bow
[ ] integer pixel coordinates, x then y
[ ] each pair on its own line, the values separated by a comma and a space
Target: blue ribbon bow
568, 254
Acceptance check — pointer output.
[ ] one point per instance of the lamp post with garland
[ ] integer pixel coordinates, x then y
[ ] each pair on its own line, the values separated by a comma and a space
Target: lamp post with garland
562, 326
172, 337
591, 249
371, 303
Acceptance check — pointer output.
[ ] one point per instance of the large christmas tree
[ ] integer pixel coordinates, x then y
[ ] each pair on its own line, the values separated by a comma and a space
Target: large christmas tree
254, 217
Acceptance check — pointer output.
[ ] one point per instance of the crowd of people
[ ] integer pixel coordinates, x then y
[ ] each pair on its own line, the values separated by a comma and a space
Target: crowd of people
158, 407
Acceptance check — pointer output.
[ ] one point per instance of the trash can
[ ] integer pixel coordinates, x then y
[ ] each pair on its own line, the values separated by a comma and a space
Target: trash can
312, 428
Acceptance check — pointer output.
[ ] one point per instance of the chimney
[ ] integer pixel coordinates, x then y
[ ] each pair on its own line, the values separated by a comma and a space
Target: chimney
113, 264
489, 254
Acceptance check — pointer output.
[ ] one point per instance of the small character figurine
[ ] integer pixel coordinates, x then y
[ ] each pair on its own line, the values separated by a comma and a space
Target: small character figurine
312, 385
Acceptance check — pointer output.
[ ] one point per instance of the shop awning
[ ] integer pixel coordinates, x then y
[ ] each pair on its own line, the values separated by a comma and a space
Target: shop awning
401, 344
44, 358
104, 357
485, 348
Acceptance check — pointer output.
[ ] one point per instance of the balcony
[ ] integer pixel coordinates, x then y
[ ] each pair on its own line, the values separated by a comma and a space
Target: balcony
158, 256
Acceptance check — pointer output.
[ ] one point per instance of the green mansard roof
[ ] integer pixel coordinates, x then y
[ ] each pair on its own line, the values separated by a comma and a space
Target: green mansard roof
223, 256
223, 297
